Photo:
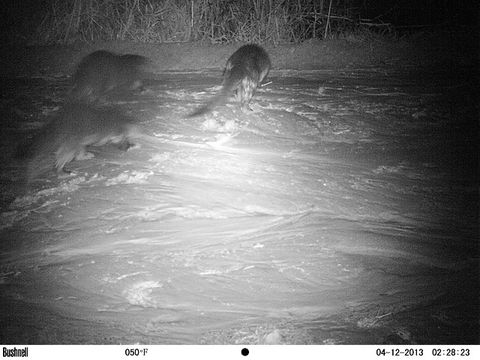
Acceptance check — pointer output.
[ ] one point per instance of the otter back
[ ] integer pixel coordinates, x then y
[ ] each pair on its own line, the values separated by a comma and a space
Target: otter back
102, 72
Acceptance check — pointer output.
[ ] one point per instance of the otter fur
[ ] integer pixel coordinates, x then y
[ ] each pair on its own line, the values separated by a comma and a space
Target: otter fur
66, 136
244, 72
103, 72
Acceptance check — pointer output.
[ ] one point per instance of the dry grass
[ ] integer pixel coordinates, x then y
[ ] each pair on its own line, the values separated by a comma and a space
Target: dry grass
216, 21
41, 22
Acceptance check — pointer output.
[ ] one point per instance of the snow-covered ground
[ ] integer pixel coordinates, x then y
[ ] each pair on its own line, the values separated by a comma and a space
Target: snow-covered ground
343, 209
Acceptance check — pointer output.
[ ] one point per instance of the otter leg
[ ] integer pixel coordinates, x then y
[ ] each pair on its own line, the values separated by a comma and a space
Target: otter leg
124, 145
64, 155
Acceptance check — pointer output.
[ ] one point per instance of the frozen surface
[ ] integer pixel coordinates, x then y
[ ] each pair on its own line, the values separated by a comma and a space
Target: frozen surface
343, 209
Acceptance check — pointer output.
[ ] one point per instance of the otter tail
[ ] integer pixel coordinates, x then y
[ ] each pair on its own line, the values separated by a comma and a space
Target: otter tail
41, 155
29, 146
232, 79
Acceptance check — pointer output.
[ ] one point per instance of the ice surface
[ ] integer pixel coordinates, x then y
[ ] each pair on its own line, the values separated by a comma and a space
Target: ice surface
336, 205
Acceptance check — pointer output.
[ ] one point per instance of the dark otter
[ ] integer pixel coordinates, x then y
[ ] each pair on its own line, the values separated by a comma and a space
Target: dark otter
245, 70
66, 136
102, 72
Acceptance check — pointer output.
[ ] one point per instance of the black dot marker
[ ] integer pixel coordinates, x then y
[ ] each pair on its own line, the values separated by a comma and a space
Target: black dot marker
245, 352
